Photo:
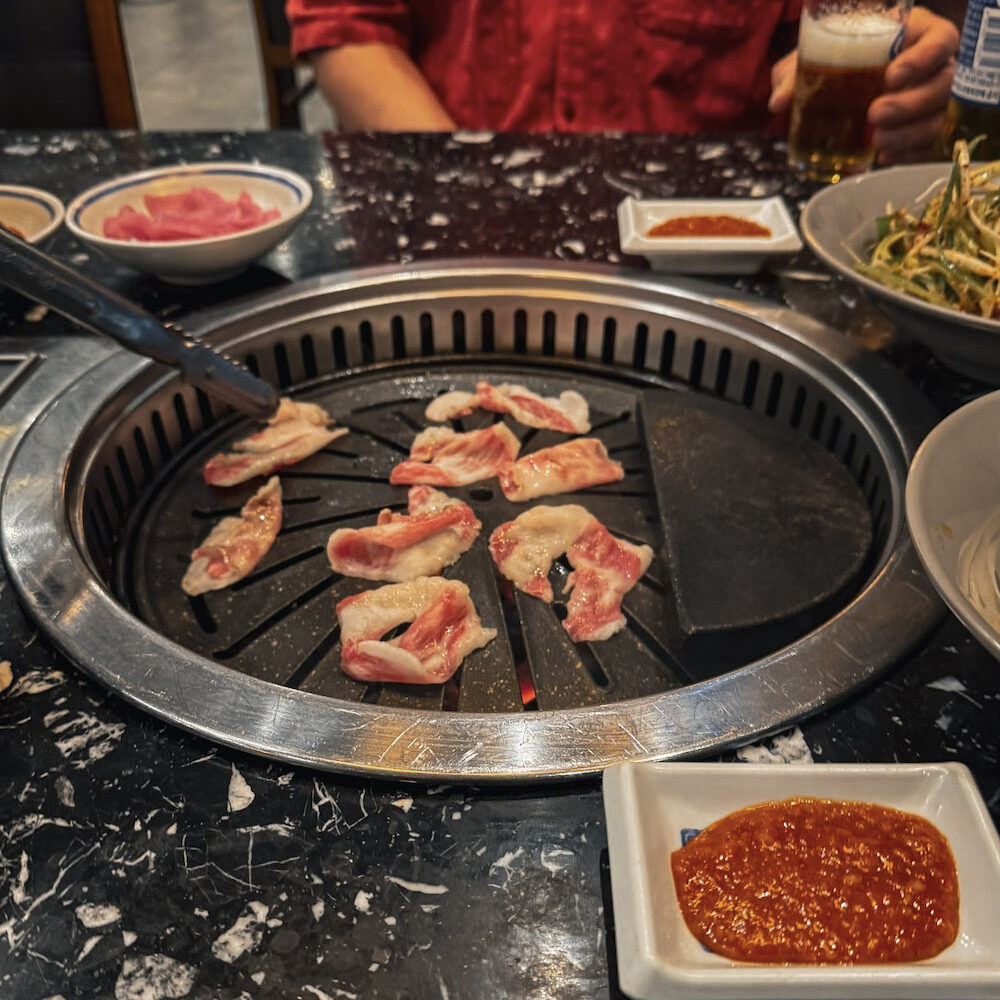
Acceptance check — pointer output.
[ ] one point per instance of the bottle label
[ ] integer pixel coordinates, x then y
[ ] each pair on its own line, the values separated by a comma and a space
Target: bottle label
977, 75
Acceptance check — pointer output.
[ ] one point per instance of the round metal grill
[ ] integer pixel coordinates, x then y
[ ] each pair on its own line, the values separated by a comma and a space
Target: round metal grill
97, 554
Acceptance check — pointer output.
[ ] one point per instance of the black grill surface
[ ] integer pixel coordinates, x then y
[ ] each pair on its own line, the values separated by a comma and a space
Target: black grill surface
696, 470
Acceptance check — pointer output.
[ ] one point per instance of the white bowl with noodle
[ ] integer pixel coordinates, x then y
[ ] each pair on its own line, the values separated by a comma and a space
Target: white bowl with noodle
839, 225
953, 512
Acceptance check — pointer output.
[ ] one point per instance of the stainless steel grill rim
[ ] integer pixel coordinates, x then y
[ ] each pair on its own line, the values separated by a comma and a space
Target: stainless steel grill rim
123, 418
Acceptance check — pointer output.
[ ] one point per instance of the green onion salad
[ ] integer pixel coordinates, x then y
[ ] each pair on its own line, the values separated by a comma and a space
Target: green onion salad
949, 255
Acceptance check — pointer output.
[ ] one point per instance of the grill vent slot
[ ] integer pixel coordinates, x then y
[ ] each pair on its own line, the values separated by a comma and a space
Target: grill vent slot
549, 333
488, 332
426, 335
126, 474
774, 394
863, 472
458, 332
608, 341
309, 356
143, 452
835, 427
281, 365
750, 384
697, 363
818, 418
639, 351
667, 352
339, 348
520, 332
367, 343
722, 372
183, 421
398, 330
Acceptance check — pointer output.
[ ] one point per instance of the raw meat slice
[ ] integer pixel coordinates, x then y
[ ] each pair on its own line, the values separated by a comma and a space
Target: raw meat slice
563, 468
525, 548
442, 457
568, 412
296, 431
194, 214
451, 406
290, 421
289, 409
605, 568
398, 547
236, 544
445, 629
231, 469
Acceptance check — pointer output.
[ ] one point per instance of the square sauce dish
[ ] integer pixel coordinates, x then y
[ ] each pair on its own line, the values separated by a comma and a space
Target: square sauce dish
707, 253
649, 805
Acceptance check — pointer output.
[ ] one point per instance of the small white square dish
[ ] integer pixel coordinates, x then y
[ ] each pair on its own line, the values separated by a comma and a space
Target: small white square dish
707, 254
648, 805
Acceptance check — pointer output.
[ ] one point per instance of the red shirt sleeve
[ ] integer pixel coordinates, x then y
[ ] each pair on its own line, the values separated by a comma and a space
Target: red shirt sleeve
326, 24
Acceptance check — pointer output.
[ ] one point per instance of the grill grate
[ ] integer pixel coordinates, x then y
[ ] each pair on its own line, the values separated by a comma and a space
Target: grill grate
292, 357
374, 347
278, 624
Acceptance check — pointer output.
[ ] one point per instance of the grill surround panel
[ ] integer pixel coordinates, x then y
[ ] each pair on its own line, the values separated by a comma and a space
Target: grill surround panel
59, 529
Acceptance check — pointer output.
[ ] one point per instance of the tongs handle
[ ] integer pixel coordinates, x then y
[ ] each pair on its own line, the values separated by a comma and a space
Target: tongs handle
44, 279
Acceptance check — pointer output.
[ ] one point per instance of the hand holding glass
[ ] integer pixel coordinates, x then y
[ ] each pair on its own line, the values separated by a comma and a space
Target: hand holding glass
844, 49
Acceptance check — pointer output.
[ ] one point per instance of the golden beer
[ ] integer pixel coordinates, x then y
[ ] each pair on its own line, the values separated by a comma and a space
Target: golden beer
841, 70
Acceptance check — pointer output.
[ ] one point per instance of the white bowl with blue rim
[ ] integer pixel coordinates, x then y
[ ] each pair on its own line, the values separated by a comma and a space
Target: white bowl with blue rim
193, 261
30, 212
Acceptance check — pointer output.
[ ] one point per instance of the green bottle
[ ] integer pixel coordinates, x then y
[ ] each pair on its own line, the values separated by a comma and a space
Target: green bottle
974, 106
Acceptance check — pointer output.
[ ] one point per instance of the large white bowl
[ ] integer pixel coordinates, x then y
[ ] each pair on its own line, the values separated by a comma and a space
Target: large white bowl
841, 219
32, 212
953, 491
192, 261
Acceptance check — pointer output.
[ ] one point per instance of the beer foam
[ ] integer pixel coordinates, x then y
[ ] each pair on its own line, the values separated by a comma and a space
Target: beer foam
850, 40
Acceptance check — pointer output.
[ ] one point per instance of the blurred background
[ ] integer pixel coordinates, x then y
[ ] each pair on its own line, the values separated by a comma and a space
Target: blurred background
165, 64
152, 64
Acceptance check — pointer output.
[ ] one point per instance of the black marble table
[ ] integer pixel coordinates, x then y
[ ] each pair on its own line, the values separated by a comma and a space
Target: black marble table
138, 861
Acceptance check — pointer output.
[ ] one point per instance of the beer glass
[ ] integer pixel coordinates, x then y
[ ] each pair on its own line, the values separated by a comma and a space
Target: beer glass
844, 48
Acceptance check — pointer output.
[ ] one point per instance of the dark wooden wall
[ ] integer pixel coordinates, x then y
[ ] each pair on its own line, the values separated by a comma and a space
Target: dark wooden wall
63, 65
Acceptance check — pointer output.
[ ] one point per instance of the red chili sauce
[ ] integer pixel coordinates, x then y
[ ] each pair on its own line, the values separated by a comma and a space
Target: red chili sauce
708, 225
819, 882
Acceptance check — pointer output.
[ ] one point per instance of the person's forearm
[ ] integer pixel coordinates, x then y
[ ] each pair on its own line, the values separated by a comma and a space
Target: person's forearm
376, 87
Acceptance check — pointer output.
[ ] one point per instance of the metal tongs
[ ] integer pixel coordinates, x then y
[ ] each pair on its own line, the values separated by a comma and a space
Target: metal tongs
50, 282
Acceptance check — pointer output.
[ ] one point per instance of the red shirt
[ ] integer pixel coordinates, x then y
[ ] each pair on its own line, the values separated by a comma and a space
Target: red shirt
576, 65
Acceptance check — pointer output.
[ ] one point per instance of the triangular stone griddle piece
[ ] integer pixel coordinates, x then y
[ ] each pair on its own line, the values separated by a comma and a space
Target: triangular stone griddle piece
765, 531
